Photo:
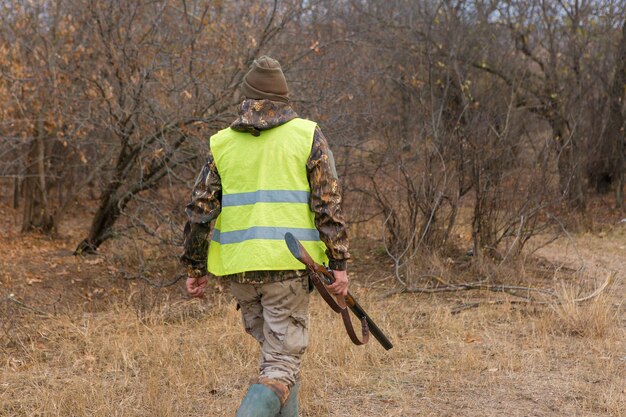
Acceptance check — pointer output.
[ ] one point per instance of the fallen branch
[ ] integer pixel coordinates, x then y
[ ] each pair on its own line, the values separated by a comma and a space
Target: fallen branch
559, 300
507, 289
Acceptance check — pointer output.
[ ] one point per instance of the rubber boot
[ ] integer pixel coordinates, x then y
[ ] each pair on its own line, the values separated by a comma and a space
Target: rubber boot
260, 401
290, 409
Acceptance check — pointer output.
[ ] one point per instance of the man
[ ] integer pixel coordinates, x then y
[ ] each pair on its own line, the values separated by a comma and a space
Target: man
269, 173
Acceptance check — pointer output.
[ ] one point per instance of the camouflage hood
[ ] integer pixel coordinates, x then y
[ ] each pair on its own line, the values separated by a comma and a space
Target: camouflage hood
258, 115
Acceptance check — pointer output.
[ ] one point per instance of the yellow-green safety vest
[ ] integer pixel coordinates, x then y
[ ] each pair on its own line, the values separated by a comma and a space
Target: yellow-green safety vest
265, 194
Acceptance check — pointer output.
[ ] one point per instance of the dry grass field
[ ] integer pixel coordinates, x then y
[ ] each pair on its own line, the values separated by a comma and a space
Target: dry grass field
76, 339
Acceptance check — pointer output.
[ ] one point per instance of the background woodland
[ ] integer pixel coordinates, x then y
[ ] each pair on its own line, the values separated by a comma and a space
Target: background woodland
513, 110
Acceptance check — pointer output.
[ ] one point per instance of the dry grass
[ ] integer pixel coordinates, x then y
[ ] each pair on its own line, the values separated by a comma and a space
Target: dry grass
596, 318
192, 358
120, 348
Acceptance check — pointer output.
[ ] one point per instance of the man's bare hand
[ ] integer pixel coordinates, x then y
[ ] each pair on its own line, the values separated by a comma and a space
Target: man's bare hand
340, 286
197, 286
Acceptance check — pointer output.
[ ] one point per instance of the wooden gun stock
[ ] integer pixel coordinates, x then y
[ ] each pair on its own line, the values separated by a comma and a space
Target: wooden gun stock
339, 305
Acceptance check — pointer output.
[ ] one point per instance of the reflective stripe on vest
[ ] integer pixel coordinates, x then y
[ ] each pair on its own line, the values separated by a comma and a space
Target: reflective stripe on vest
265, 196
260, 232
265, 193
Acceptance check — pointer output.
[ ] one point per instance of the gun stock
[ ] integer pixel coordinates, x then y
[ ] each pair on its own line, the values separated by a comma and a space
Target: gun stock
338, 305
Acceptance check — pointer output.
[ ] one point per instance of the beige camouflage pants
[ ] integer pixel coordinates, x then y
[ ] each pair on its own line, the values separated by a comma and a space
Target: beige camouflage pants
276, 315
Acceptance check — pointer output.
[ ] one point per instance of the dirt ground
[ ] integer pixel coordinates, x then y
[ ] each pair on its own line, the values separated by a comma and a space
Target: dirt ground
86, 337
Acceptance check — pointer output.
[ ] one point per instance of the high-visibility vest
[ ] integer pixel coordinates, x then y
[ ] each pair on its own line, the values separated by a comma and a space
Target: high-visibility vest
265, 194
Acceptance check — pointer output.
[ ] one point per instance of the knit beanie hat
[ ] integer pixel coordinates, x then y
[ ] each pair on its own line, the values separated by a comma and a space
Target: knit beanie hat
265, 80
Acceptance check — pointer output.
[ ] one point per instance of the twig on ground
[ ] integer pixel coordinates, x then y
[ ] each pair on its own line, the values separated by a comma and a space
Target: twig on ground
141, 277
598, 290
476, 304
11, 298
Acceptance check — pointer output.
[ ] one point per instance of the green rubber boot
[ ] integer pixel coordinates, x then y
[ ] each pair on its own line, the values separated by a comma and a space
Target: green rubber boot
260, 401
290, 409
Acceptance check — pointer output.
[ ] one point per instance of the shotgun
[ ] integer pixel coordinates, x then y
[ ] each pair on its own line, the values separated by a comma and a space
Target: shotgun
322, 276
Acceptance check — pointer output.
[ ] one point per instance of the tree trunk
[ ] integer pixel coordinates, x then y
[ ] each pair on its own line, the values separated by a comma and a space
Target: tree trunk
615, 126
619, 193
37, 213
608, 171
569, 165
108, 212
16, 191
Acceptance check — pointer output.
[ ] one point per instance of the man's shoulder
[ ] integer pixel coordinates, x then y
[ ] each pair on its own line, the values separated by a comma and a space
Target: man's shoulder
220, 135
303, 122
223, 132
305, 126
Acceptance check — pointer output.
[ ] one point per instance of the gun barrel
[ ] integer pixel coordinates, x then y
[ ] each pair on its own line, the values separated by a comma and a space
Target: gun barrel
373, 328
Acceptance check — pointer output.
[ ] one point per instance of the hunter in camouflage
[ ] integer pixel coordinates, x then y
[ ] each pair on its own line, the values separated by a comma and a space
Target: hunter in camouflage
274, 304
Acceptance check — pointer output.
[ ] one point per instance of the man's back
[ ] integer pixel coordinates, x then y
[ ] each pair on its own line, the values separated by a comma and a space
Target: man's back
265, 194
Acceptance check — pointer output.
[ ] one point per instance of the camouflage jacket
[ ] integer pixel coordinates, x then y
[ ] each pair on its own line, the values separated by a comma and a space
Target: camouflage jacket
325, 201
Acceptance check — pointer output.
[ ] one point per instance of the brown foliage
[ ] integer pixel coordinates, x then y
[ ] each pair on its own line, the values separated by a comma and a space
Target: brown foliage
433, 111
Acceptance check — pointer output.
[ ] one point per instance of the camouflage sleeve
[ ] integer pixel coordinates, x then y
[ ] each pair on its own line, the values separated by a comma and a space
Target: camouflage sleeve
326, 201
205, 206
